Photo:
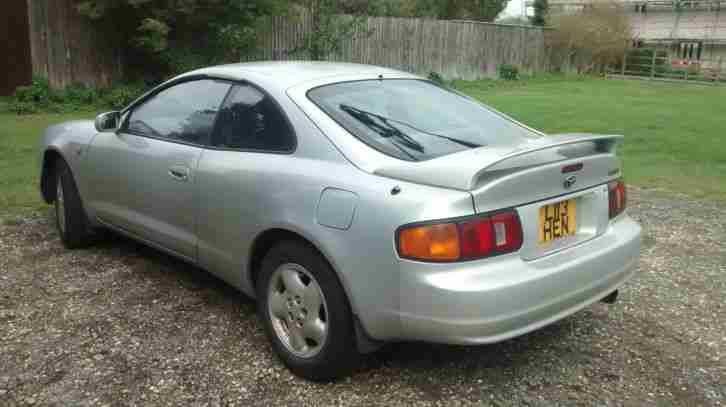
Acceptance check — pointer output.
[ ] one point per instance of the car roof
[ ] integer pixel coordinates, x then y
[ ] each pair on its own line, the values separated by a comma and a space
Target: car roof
285, 74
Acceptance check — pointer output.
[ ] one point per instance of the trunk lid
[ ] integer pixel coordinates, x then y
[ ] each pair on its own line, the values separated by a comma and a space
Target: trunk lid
476, 168
545, 171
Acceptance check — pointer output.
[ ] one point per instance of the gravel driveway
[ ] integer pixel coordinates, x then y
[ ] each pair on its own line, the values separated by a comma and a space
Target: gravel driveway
122, 324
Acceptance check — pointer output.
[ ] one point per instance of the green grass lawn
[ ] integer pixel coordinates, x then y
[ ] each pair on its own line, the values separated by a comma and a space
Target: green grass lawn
19, 159
675, 136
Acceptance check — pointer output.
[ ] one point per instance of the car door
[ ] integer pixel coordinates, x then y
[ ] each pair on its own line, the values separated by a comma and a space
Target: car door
143, 179
240, 178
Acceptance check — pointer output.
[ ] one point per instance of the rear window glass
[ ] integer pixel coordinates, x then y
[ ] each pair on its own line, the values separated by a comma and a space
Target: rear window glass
414, 120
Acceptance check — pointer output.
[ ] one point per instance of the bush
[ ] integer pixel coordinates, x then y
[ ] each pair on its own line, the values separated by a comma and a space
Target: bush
151, 31
20, 108
38, 92
437, 78
121, 96
592, 38
79, 94
508, 72
39, 97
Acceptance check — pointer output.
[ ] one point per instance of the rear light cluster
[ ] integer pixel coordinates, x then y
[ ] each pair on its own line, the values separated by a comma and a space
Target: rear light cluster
616, 198
468, 239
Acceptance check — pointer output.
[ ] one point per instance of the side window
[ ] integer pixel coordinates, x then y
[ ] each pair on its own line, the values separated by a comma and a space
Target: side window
184, 112
250, 120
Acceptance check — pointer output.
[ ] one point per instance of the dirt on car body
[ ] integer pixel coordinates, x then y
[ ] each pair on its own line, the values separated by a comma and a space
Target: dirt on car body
122, 324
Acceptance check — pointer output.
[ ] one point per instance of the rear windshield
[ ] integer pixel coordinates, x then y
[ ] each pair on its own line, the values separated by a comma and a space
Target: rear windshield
414, 120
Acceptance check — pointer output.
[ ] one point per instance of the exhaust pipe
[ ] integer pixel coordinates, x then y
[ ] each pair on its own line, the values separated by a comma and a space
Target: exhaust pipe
611, 298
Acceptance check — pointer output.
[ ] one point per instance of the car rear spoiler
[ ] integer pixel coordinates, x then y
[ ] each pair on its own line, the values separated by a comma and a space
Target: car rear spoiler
467, 170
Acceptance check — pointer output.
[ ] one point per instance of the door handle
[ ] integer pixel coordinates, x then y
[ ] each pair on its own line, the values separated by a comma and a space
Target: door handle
179, 173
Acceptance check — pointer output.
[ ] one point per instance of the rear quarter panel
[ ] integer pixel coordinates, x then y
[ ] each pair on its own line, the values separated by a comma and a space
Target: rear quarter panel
364, 255
244, 194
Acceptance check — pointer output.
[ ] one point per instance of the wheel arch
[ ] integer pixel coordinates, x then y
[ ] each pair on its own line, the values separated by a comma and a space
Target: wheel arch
268, 238
51, 157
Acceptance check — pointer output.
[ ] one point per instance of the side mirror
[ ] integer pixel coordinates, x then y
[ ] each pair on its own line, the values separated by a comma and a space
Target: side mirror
107, 121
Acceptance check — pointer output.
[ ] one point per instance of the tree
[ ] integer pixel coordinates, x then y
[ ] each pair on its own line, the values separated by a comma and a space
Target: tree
597, 35
485, 10
173, 36
541, 8
333, 22
479, 10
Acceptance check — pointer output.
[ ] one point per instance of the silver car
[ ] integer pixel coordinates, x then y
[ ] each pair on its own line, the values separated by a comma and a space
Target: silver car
359, 205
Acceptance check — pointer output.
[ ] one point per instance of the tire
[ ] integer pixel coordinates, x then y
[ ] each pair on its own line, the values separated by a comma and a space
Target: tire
284, 267
71, 220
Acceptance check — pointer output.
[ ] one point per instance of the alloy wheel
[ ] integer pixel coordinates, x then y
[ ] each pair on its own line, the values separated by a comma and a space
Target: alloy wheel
297, 310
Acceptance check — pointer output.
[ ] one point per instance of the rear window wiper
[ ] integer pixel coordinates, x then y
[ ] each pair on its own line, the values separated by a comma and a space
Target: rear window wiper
385, 129
388, 119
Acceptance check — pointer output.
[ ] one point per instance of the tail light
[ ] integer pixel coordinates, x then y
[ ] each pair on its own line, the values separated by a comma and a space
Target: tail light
467, 239
616, 198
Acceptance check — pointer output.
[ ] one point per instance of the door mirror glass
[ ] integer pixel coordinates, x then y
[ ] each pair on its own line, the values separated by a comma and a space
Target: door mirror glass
107, 121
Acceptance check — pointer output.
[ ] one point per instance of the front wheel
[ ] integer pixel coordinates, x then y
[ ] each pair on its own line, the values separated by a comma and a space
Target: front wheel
305, 312
70, 217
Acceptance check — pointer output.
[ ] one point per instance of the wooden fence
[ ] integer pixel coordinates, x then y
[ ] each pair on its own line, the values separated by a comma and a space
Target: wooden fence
453, 49
66, 48
15, 64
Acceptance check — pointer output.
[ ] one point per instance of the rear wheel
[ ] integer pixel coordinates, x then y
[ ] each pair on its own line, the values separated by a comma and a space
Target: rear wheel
70, 217
305, 312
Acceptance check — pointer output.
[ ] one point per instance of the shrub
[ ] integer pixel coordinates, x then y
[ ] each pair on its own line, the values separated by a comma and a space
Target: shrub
508, 72
78, 94
215, 31
437, 78
592, 38
38, 92
19, 108
121, 96
38, 96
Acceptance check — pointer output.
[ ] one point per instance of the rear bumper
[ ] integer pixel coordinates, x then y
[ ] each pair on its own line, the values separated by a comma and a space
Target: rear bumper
499, 298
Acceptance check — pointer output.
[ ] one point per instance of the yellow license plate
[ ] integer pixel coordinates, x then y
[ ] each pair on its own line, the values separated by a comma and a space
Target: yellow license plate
557, 220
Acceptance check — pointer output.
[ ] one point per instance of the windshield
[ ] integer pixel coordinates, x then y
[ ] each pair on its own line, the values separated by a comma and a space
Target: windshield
413, 119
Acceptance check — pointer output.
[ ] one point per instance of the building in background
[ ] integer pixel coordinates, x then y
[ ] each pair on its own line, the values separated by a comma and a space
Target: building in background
694, 32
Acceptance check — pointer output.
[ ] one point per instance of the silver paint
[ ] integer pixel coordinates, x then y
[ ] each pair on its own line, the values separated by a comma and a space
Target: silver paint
336, 208
218, 203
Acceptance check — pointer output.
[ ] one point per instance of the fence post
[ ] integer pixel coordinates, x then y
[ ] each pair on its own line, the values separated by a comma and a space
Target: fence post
652, 63
625, 62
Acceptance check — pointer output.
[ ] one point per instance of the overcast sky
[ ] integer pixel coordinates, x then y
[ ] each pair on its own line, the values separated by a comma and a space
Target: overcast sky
514, 8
